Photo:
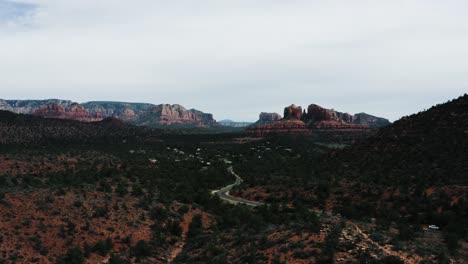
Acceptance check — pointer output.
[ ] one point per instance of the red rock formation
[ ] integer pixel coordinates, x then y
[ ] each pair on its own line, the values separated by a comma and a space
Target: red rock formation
319, 117
293, 112
141, 114
316, 113
71, 112
176, 114
289, 127
336, 125
266, 118
316, 118
347, 118
128, 113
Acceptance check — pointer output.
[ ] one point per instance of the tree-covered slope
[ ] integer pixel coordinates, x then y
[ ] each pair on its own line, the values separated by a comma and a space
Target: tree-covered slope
428, 148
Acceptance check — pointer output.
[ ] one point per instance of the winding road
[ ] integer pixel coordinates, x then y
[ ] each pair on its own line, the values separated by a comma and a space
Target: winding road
224, 195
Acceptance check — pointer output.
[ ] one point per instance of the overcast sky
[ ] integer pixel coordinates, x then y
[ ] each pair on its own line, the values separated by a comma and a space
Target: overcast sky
236, 58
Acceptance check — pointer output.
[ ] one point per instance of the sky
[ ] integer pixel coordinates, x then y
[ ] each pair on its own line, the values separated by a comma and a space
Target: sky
238, 58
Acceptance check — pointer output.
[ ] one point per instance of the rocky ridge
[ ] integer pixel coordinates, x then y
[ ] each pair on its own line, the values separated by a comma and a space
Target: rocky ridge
293, 112
73, 111
266, 118
297, 121
319, 117
141, 114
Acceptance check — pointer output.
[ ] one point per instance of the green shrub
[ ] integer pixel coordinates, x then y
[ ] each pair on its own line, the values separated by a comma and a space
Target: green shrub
73, 256
141, 249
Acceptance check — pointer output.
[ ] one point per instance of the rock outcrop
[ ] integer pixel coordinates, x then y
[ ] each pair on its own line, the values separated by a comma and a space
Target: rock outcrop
296, 121
318, 117
293, 112
266, 118
128, 112
272, 123
140, 114
283, 126
5, 106
370, 120
28, 107
176, 115
72, 112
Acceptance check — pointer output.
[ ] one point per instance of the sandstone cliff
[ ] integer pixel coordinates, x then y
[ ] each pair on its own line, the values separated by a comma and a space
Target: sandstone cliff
5, 106
266, 118
128, 112
318, 117
283, 126
293, 112
291, 124
296, 121
30, 106
175, 115
141, 114
370, 120
73, 111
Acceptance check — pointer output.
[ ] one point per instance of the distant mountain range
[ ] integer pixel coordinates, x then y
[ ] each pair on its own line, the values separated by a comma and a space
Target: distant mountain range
295, 120
140, 114
231, 123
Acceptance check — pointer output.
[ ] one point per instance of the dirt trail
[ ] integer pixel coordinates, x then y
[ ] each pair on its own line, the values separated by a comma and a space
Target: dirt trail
386, 250
179, 246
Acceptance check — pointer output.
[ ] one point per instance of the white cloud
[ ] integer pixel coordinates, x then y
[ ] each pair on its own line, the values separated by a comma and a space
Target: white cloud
234, 58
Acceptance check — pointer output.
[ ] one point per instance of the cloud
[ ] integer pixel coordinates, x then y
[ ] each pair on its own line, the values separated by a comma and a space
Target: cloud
237, 58
13, 13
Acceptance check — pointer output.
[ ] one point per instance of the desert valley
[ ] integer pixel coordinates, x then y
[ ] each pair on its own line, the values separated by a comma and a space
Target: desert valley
140, 183
233, 132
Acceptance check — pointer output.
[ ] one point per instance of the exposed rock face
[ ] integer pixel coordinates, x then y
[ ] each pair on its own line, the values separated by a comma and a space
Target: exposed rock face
316, 118
128, 112
5, 106
283, 126
175, 115
370, 120
53, 108
71, 112
151, 115
272, 124
293, 112
266, 118
133, 113
30, 106
316, 113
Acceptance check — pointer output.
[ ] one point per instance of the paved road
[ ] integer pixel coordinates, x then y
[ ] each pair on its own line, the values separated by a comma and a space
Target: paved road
223, 194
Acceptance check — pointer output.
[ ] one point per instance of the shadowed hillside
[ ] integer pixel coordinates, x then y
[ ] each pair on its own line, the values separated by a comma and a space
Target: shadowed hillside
428, 148
27, 129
